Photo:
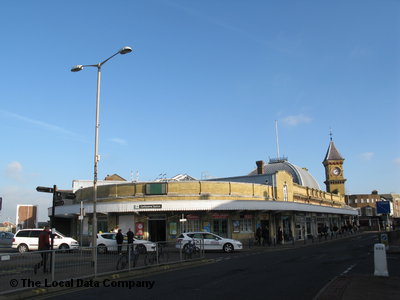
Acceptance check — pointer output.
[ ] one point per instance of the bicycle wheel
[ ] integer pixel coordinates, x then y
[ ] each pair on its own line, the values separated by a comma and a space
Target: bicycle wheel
135, 258
163, 256
150, 258
122, 262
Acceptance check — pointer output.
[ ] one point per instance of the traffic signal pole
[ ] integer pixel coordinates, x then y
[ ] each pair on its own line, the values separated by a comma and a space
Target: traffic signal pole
52, 214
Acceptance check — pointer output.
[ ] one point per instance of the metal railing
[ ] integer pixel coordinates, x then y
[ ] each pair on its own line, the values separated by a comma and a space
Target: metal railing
40, 269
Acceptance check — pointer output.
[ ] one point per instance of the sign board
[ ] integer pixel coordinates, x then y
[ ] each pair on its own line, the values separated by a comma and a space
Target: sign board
385, 240
383, 207
144, 206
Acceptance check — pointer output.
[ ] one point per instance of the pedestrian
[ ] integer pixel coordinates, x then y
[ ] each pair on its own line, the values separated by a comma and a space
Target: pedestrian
129, 235
44, 247
265, 235
280, 235
258, 236
120, 239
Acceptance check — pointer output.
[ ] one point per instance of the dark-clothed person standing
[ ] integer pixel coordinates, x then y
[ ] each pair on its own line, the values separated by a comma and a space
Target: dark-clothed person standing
43, 245
129, 235
265, 235
120, 239
258, 236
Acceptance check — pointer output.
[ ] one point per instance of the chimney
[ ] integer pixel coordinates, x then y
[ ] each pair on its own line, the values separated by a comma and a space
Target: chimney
260, 167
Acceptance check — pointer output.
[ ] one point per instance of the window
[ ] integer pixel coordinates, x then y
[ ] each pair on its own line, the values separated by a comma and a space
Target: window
355, 201
350, 201
246, 225
368, 211
362, 200
23, 233
367, 200
193, 225
35, 233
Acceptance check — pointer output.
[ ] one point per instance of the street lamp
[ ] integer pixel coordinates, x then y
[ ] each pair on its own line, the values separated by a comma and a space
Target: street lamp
78, 68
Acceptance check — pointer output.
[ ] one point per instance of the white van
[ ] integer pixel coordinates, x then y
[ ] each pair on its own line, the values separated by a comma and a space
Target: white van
28, 239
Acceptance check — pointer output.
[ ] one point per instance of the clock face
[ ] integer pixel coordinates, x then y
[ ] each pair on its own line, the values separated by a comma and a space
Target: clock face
336, 171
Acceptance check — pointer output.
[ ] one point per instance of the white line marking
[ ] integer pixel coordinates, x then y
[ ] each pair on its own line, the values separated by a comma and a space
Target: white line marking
348, 269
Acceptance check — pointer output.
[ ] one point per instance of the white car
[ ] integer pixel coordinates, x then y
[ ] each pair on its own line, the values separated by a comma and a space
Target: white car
210, 241
107, 242
28, 240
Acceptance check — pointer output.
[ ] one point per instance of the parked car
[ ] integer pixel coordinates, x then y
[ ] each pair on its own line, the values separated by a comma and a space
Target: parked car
210, 241
6, 239
107, 242
28, 240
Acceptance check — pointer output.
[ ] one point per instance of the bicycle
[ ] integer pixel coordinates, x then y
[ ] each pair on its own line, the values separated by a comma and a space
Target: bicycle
123, 259
190, 249
152, 257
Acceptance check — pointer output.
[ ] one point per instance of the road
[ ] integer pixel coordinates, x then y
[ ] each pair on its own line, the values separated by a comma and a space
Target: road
285, 274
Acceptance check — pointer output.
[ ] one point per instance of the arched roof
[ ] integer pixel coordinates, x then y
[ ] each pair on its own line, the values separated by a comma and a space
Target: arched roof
300, 175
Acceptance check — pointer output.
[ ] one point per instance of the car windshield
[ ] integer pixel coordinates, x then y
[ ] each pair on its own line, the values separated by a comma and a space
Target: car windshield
60, 234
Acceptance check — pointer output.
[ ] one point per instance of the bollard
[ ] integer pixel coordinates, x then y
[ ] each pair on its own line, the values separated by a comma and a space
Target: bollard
380, 260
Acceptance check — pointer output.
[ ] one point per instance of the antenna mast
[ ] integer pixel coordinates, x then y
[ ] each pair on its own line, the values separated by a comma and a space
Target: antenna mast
277, 139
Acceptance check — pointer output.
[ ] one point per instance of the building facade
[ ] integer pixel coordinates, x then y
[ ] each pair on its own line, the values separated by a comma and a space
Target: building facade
276, 196
368, 216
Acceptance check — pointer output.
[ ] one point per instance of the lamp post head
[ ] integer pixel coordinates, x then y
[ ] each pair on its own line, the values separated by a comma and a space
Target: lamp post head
77, 68
125, 50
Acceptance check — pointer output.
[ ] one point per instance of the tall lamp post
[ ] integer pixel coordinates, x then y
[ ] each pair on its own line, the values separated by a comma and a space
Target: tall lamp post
77, 68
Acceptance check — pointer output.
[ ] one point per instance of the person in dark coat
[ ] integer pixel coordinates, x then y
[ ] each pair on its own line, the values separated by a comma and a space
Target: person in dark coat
265, 235
129, 235
258, 236
44, 246
120, 239
280, 235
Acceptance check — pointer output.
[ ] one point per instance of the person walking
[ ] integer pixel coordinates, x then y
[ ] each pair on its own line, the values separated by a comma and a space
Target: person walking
43, 246
120, 239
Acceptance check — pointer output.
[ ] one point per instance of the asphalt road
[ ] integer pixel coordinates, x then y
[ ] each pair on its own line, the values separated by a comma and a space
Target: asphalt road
285, 274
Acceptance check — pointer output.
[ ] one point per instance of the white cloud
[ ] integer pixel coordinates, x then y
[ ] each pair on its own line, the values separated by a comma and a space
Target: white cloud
367, 155
41, 124
118, 141
397, 161
14, 170
296, 120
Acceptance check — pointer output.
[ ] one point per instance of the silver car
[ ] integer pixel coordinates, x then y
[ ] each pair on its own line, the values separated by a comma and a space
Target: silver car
6, 239
210, 241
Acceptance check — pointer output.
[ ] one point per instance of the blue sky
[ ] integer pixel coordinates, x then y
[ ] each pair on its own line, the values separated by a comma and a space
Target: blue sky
200, 93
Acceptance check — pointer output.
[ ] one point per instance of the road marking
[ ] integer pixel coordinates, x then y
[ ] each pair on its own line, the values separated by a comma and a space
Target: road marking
348, 269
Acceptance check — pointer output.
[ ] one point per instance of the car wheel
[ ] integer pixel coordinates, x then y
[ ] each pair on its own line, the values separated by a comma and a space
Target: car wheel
101, 249
228, 248
23, 248
142, 249
64, 247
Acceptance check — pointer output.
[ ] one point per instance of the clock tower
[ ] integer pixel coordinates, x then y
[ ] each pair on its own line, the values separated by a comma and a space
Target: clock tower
333, 164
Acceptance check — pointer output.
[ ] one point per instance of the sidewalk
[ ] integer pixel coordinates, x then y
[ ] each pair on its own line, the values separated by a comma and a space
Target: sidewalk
365, 287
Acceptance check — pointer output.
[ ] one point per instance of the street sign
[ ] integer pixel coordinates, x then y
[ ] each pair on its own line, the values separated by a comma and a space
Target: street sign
44, 189
383, 207
70, 196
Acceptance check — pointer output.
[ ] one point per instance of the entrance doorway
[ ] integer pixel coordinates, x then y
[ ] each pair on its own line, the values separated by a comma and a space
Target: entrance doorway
157, 230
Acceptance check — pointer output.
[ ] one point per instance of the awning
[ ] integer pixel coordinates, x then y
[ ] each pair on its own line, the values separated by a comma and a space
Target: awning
199, 205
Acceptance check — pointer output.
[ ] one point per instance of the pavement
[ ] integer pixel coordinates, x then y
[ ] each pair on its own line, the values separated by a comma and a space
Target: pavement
347, 286
365, 287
